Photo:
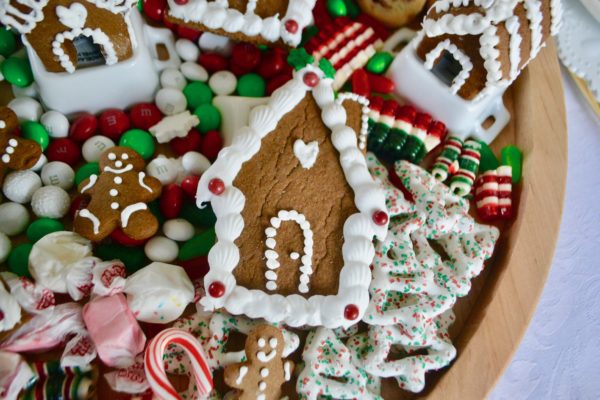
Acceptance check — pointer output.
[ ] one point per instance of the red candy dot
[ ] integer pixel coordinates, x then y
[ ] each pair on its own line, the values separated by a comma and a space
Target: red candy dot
83, 128
310, 79
1, 315
216, 186
216, 289
189, 184
171, 201
144, 115
291, 26
64, 150
351, 312
380, 218
113, 123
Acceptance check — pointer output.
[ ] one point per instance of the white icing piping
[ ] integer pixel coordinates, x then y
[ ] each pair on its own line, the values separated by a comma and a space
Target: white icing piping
512, 26
19, 21
129, 211
92, 182
10, 149
85, 213
243, 372
556, 11
488, 51
98, 36
364, 119
141, 176
460, 79
534, 14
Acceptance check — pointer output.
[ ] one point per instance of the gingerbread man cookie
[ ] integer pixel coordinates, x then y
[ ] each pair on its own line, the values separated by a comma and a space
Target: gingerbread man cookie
261, 377
119, 197
15, 153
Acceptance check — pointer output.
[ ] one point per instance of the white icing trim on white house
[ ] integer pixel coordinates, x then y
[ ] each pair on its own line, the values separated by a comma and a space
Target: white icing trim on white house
364, 119
556, 11
533, 11
358, 231
514, 46
22, 22
466, 64
98, 36
488, 51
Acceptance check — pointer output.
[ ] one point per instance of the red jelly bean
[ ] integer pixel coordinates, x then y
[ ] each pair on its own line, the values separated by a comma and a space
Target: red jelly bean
380, 84
144, 116
155, 9
65, 150
212, 143
113, 123
245, 56
83, 128
191, 142
195, 267
171, 201
213, 62
276, 82
187, 33
271, 64
190, 185
360, 83
120, 237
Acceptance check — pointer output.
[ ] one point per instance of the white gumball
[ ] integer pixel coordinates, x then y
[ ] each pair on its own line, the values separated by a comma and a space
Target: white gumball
26, 108
161, 249
223, 83
215, 44
179, 229
5, 247
14, 218
194, 163
187, 50
94, 147
19, 186
164, 169
43, 160
172, 78
56, 124
58, 173
170, 101
193, 71
50, 202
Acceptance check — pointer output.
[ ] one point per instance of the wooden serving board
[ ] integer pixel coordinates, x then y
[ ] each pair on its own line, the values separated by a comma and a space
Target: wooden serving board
492, 319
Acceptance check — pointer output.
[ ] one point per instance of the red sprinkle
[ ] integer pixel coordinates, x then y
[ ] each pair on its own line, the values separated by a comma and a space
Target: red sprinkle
216, 289
216, 186
380, 218
351, 312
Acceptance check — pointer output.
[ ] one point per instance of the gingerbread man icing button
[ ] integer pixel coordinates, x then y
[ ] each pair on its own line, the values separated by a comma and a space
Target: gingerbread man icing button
262, 376
118, 198
15, 153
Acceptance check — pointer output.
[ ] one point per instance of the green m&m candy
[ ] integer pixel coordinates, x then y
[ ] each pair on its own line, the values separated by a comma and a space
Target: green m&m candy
17, 71
42, 227
380, 62
210, 117
251, 85
18, 259
85, 171
140, 141
337, 8
198, 246
8, 44
35, 131
197, 93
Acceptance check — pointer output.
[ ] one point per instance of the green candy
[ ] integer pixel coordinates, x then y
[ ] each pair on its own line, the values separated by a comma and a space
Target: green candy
353, 8
140, 141
18, 259
85, 171
8, 44
36, 132
133, 257
308, 33
251, 85
210, 118
337, 8
380, 62
488, 160
204, 218
42, 227
154, 207
511, 155
197, 246
17, 71
197, 93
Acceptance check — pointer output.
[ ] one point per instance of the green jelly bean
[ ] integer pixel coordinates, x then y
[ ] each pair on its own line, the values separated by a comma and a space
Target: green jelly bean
17, 71
511, 155
42, 227
140, 141
353, 8
337, 8
8, 44
197, 93
18, 259
198, 246
210, 118
380, 62
204, 218
36, 132
133, 257
251, 85
85, 171
488, 160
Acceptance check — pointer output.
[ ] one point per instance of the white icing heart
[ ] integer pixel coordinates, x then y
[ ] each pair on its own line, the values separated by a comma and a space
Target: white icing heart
306, 153
74, 16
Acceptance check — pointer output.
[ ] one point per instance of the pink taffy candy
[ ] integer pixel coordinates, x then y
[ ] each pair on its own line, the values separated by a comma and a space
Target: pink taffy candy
114, 330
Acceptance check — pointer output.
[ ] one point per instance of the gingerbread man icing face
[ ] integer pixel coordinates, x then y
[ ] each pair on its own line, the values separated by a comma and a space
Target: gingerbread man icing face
15, 153
119, 197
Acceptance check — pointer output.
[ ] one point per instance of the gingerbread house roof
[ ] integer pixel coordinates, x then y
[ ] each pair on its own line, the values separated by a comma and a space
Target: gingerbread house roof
271, 152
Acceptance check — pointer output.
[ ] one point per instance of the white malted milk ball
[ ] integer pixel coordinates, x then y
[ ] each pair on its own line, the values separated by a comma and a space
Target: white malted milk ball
94, 146
170, 101
14, 218
26, 108
193, 71
172, 78
58, 173
210, 42
178, 229
187, 50
223, 83
164, 169
5, 247
56, 124
161, 249
43, 160
50, 202
194, 163
19, 186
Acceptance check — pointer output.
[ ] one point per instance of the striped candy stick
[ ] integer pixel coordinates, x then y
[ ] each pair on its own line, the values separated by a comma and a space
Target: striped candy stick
435, 134
154, 366
379, 133
493, 194
468, 165
414, 149
398, 134
505, 208
375, 105
447, 162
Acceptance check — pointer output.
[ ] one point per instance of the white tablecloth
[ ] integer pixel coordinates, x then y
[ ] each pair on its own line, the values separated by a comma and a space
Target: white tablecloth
559, 357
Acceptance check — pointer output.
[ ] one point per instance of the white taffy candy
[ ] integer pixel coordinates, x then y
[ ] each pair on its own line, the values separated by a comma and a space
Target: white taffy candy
11, 312
80, 351
173, 126
159, 292
15, 374
92, 275
52, 257
129, 380
32, 297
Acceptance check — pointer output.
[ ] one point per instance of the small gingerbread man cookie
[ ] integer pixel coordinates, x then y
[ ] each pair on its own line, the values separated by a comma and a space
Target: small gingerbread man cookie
15, 153
261, 377
119, 197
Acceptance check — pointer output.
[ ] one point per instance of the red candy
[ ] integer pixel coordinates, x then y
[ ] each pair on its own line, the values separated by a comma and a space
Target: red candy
276, 82
185, 32
360, 83
190, 185
216, 186
213, 62
244, 58
380, 218
351, 312
211, 144
120, 237
83, 128
171, 201
113, 123
155, 9
191, 142
272, 63
144, 116
195, 267
310, 79
216, 289
381, 84
65, 150
291, 26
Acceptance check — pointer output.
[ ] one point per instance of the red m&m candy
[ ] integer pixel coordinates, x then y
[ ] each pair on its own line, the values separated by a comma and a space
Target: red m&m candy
272, 63
65, 150
155, 9
120, 237
244, 58
211, 144
83, 128
112, 123
144, 116
185, 32
191, 142
213, 62
276, 82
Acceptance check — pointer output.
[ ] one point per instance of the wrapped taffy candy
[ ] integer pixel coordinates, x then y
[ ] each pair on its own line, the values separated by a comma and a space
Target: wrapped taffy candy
15, 374
32, 297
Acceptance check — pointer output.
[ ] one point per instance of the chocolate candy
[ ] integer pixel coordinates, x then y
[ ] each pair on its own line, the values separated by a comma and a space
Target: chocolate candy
35, 131
211, 144
84, 127
95, 146
222, 83
250, 85
18, 259
171, 201
140, 141
56, 124
8, 44
144, 116
210, 118
17, 71
113, 123
14, 218
197, 93
197, 246
64, 150
42, 227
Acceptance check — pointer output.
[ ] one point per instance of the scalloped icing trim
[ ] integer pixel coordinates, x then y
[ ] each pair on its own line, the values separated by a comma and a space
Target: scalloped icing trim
359, 229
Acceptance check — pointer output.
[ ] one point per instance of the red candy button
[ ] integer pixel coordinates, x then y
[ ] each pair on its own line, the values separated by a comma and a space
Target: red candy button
189, 185
155, 9
191, 142
310, 79
380, 218
144, 116
211, 144
216, 289
216, 186
351, 312
171, 201
64, 150
213, 62
113, 123
120, 237
291, 26
83, 128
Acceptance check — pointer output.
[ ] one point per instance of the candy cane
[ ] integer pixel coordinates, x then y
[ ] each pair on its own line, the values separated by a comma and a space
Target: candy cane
154, 366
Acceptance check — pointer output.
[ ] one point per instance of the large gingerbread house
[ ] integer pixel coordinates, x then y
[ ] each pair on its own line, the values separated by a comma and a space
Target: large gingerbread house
474, 45
71, 34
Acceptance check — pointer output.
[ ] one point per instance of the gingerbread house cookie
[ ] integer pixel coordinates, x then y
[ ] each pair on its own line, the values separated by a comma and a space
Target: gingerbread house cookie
297, 210
257, 21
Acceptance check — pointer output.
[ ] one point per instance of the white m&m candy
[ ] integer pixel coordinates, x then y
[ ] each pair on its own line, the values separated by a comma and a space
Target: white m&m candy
50, 202
5, 247
58, 173
172, 78
14, 218
56, 124
19, 186
216, 44
194, 163
26, 108
170, 101
193, 71
164, 169
94, 146
223, 83
187, 50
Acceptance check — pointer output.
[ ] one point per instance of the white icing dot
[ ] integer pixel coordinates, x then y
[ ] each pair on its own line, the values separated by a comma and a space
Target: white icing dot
271, 275
273, 264
271, 285
271, 232
119, 164
114, 206
118, 180
10, 150
262, 342
6, 158
124, 157
13, 142
270, 243
264, 372
262, 386
112, 156
113, 192
2, 124
273, 342
294, 255
271, 255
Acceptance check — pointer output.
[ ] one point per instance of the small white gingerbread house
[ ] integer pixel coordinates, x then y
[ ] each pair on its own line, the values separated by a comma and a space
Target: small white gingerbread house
297, 211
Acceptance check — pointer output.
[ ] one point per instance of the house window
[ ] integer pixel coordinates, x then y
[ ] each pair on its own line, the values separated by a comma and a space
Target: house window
447, 68
89, 54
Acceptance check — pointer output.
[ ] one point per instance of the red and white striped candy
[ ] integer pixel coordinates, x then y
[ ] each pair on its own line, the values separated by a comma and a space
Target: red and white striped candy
154, 366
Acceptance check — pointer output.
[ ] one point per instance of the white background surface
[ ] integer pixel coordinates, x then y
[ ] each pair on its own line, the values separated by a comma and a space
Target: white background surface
559, 357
